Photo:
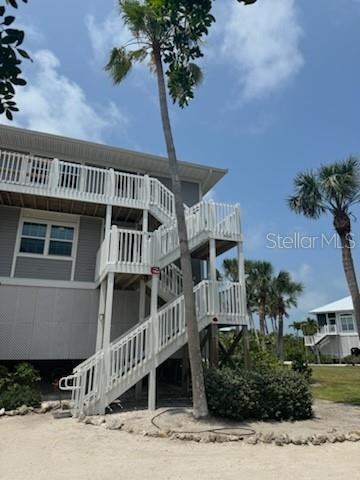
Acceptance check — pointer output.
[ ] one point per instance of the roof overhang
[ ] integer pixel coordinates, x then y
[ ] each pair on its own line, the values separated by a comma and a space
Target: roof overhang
342, 305
70, 149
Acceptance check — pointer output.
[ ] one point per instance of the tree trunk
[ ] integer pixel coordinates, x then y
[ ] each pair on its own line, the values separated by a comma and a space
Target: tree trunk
343, 227
280, 338
200, 408
262, 315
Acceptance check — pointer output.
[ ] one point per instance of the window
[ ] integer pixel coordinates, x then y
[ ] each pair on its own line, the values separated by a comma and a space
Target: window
47, 239
61, 240
33, 238
347, 322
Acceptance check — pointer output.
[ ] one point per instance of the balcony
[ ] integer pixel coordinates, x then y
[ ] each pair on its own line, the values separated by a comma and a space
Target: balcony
28, 174
134, 252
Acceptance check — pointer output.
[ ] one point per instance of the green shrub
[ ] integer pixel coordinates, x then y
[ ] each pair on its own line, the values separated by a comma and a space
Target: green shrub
301, 366
259, 394
19, 387
351, 360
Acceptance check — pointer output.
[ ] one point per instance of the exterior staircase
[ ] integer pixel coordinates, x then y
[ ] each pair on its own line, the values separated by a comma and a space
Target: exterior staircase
322, 336
106, 375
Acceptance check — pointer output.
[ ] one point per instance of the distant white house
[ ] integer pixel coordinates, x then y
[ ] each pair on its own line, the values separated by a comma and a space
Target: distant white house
337, 329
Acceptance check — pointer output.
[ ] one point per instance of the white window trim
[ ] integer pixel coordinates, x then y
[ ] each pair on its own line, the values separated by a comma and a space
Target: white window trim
47, 219
341, 315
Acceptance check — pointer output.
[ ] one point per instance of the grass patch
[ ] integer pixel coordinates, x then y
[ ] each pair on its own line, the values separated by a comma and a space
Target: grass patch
338, 384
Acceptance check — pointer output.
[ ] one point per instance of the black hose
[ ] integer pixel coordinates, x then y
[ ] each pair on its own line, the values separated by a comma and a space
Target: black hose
221, 430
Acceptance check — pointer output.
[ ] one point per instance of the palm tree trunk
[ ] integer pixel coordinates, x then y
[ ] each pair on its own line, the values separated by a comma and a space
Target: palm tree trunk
262, 316
350, 275
200, 408
280, 338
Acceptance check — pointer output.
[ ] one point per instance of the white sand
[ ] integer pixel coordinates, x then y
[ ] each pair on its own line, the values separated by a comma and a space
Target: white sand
37, 447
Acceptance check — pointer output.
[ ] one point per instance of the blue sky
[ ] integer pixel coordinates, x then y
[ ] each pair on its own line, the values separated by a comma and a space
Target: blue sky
280, 95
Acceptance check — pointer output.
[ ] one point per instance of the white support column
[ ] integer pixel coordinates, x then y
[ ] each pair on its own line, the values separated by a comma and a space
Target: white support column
106, 340
212, 260
100, 327
142, 300
54, 174
145, 246
241, 279
154, 341
214, 333
145, 223
108, 218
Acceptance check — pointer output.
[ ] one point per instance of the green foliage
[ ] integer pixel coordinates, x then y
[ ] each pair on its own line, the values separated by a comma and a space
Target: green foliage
11, 56
332, 188
301, 366
19, 387
259, 394
352, 360
171, 29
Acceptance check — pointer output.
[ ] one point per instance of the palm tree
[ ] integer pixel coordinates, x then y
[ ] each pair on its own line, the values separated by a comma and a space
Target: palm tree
333, 189
309, 327
297, 326
170, 32
263, 272
284, 292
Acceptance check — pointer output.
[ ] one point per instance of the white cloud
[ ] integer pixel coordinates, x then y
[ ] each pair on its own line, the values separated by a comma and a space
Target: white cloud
52, 103
262, 42
106, 35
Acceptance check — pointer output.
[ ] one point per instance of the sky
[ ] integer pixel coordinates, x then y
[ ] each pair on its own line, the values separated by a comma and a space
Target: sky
280, 95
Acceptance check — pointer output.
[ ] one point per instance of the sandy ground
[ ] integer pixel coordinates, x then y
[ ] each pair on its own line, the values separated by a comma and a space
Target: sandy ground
38, 447
329, 417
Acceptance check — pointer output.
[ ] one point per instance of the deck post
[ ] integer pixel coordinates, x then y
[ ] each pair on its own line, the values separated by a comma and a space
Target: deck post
108, 218
100, 326
243, 305
145, 227
54, 174
106, 341
213, 330
142, 300
154, 341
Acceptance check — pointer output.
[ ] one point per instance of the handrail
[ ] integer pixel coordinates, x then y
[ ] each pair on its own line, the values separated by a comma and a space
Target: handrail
133, 250
133, 350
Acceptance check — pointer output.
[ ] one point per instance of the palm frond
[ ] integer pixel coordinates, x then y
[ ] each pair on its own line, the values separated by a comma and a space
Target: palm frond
121, 62
340, 182
307, 199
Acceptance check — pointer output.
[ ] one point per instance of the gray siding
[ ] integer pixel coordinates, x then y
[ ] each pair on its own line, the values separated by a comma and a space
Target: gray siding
190, 190
43, 268
9, 219
40, 323
88, 245
125, 312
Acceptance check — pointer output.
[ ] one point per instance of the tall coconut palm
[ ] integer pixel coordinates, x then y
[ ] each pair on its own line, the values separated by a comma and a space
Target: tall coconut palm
168, 34
284, 292
263, 272
333, 189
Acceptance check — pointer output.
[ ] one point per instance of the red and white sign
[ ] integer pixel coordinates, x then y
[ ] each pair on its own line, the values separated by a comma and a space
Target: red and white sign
155, 271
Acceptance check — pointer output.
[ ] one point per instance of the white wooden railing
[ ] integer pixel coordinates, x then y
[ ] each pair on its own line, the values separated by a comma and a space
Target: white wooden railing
130, 251
126, 251
131, 356
203, 220
56, 178
171, 280
324, 331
